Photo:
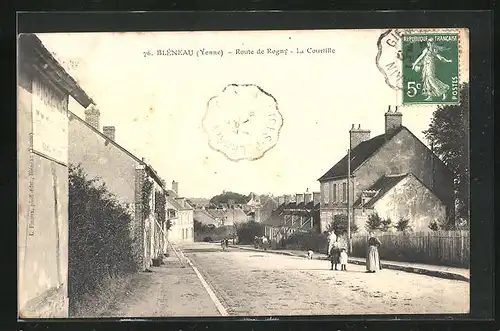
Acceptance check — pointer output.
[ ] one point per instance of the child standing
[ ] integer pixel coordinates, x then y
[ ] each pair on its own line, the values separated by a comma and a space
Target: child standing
343, 259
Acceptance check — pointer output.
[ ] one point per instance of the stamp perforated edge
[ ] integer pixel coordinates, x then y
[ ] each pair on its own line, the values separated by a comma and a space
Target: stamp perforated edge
461, 80
458, 31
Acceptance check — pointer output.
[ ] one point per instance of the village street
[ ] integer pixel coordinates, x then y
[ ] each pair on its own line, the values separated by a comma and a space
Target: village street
250, 283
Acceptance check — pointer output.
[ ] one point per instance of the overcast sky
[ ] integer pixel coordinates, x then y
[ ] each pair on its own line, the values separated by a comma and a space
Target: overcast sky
157, 103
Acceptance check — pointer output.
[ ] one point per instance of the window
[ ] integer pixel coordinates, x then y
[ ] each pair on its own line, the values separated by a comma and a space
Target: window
330, 191
344, 192
326, 193
334, 192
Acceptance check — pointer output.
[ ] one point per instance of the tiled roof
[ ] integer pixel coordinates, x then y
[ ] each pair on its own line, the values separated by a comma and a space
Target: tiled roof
174, 203
205, 218
275, 218
30, 45
382, 186
359, 154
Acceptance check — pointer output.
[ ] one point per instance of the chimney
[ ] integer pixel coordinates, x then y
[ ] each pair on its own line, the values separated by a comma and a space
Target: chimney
358, 135
316, 197
92, 115
299, 197
307, 197
393, 120
175, 187
109, 131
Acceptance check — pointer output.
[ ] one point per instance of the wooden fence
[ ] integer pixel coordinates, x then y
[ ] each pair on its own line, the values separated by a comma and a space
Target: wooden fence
451, 248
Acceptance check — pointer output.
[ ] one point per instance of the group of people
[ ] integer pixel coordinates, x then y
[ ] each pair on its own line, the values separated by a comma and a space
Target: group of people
261, 242
338, 255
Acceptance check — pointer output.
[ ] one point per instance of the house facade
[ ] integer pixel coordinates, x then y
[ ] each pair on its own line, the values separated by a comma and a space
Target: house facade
182, 230
43, 89
383, 169
131, 180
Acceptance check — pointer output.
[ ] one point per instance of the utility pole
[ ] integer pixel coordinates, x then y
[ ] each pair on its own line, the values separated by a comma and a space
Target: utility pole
349, 244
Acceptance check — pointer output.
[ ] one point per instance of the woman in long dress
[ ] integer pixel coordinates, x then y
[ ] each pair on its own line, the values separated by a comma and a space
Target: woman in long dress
426, 62
372, 256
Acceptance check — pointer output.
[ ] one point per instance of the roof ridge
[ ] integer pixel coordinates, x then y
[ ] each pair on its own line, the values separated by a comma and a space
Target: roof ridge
359, 154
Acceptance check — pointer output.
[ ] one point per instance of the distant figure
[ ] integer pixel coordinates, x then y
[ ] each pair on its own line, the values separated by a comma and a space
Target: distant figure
310, 254
372, 256
265, 243
256, 242
335, 255
223, 244
343, 259
332, 238
226, 242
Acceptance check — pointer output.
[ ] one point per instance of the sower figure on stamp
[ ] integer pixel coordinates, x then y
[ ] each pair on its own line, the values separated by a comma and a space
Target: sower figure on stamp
432, 86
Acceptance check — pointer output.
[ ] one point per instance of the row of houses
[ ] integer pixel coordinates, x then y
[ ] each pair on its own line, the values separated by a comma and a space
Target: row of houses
393, 174
50, 139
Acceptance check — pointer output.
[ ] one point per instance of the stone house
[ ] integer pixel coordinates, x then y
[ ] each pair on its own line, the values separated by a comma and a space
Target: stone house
182, 230
126, 176
393, 174
43, 91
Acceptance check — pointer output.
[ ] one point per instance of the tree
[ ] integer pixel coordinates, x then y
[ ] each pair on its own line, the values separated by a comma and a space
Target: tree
434, 226
374, 222
237, 198
403, 224
339, 225
448, 133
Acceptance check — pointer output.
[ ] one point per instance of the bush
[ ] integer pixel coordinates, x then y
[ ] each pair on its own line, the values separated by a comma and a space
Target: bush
434, 226
385, 224
99, 246
203, 232
247, 231
374, 222
403, 224
311, 240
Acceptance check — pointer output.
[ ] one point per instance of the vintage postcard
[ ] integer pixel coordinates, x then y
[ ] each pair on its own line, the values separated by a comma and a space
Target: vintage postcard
243, 173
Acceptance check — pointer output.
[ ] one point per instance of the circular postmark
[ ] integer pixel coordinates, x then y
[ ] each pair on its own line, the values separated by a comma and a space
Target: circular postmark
389, 58
243, 122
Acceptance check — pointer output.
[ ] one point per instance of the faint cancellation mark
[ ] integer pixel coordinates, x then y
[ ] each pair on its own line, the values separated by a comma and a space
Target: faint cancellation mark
243, 122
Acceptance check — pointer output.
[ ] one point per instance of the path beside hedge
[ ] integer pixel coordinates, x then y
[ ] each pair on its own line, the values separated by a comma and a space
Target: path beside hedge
425, 269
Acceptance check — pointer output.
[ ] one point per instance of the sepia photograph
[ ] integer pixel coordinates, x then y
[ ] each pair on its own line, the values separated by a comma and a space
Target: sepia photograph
243, 173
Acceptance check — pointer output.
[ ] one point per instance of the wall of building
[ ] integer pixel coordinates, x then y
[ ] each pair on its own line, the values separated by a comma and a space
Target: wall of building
43, 212
333, 200
101, 158
410, 199
405, 154
183, 230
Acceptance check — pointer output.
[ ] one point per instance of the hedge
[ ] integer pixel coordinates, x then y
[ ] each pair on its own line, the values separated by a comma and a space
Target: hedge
247, 231
99, 236
305, 241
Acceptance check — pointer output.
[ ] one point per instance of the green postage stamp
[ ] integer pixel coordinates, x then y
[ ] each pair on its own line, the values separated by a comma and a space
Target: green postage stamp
430, 68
